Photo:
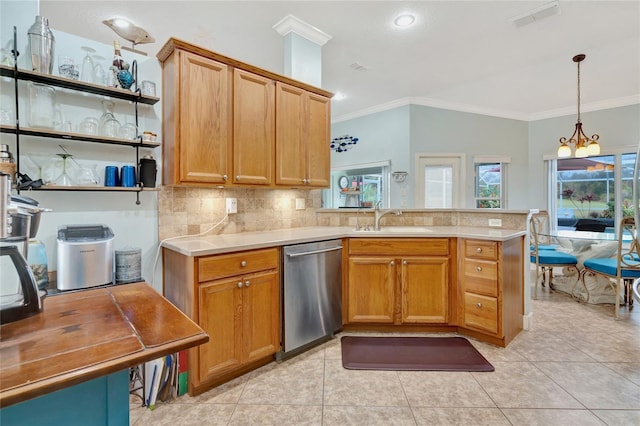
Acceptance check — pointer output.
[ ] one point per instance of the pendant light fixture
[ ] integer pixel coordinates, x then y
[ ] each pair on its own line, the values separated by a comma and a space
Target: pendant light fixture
584, 146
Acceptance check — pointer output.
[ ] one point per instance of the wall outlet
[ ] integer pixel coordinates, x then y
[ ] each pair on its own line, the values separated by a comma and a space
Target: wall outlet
232, 205
495, 222
300, 204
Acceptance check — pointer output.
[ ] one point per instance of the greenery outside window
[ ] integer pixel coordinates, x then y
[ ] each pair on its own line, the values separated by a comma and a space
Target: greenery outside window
593, 191
490, 183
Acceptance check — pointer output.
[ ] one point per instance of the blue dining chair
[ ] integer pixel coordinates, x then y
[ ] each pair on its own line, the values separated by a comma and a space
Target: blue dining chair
622, 269
543, 252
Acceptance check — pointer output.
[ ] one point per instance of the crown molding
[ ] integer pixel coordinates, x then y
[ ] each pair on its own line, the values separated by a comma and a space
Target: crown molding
474, 109
592, 106
290, 24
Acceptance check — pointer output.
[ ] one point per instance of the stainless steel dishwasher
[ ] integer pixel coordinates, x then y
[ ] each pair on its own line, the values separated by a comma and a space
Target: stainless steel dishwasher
311, 293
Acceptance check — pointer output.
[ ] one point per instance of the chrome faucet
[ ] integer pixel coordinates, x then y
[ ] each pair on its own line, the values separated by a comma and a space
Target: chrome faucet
378, 214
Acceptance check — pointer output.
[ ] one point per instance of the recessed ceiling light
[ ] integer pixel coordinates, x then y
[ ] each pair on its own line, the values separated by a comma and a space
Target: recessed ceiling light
405, 20
339, 96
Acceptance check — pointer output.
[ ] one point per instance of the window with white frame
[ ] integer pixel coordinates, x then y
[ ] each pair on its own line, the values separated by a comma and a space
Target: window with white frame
490, 182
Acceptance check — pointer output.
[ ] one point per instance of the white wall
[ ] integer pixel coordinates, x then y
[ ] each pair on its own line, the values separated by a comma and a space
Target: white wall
133, 225
619, 130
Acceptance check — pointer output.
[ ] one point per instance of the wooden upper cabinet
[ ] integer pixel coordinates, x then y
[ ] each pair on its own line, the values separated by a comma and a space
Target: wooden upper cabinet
302, 137
197, 136
318, 139
253, 128
232, 123
291, 128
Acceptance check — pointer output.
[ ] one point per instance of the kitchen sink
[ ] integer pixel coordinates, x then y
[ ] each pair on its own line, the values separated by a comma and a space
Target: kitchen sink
398, 230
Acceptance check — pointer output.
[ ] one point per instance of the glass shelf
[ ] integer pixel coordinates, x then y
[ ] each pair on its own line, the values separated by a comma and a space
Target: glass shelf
51, 133
67, 83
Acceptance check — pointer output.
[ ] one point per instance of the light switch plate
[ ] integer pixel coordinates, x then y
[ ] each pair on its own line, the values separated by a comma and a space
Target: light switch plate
300, 204
232, 205
495, 222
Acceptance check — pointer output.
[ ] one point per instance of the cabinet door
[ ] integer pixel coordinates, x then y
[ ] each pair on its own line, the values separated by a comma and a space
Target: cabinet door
318, 139
253, 128
371, 289
220, 311
261, 315
291, 122
425, 295
204, 136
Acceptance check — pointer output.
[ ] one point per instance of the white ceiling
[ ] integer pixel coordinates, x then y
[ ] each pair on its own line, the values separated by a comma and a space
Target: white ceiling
463, 55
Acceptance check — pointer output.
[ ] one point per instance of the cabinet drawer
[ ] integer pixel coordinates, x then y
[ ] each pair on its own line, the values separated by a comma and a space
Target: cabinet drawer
225, 265
481, 312
481, 249
481, 276
400, 246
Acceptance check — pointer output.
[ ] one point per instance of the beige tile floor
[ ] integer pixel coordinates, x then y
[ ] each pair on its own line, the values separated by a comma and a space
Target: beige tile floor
576, 366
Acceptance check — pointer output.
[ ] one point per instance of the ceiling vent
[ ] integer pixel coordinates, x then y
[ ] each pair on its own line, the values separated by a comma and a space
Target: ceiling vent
533, 15
358, 66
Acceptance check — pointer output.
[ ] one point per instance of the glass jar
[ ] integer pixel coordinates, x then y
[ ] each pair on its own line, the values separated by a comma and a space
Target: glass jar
42, 105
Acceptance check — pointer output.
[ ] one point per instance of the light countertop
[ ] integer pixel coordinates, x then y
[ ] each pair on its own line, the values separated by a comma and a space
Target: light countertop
225, 243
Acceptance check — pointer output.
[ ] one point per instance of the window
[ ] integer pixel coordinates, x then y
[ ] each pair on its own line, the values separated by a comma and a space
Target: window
490, 190
593, 191
488, 186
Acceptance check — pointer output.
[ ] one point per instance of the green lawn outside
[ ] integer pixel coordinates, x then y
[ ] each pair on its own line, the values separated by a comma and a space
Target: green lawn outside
582, 210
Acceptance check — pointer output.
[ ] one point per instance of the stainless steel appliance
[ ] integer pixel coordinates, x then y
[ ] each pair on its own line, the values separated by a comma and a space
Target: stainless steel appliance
311, 293
85, 256
19, 297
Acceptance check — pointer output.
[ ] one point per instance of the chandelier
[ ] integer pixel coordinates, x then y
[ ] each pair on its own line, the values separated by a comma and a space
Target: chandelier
343, 143
584, 146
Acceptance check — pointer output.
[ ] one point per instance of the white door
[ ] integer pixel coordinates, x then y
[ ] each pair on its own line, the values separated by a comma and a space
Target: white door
439, 181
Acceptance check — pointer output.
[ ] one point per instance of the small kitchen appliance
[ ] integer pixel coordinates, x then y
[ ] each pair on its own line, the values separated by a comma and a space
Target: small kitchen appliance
19, 296
85, 256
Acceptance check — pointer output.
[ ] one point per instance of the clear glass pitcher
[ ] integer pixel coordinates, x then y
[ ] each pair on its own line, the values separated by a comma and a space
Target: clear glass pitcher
42, 105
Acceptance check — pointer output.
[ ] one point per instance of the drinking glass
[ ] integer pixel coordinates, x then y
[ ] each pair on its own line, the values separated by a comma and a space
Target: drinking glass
99, 74
89, 126
109, 125
67, 67
64, 179
86, 72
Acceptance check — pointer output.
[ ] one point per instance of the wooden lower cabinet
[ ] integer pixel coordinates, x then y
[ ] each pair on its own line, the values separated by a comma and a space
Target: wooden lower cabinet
398, 281
238, 314
491, 293
235, 298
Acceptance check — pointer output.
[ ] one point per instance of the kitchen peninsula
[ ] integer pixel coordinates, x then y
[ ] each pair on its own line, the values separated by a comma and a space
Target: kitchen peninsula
464, 279
69, 364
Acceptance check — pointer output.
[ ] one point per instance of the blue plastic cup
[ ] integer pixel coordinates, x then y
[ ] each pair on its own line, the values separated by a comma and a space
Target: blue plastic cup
110, 176
128, 176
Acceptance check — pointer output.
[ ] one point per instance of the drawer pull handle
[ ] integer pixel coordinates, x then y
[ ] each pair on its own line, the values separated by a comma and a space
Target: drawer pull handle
247, 283
479, 250
404, 262
243, 263
225, 178
237, 177
392, 263
478, 268
240, 284
479, 305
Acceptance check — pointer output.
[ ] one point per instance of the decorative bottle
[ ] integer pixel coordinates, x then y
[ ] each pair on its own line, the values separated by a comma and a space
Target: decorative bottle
41, 45
117, 64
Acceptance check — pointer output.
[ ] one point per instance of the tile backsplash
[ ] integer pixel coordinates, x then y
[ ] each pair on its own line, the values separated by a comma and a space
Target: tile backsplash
191, 211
